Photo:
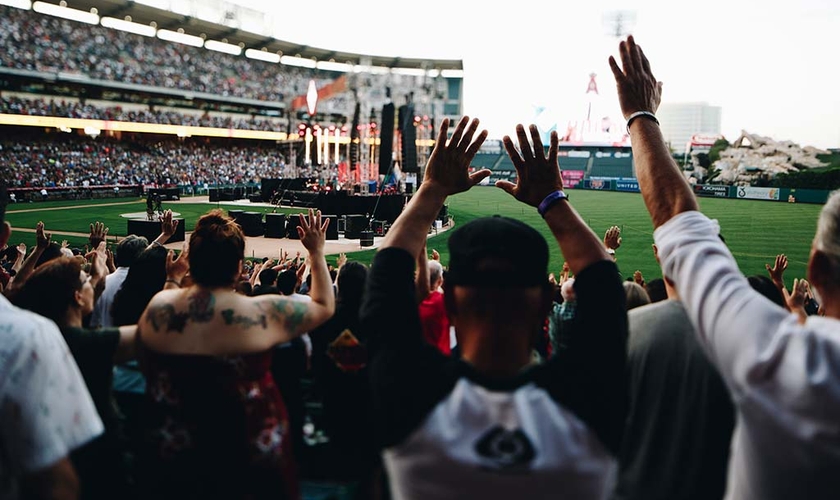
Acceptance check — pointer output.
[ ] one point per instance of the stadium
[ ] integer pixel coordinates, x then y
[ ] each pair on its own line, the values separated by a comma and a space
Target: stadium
114, 111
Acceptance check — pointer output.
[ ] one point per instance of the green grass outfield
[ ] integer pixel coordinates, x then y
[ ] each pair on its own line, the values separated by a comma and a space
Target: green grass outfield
755, 231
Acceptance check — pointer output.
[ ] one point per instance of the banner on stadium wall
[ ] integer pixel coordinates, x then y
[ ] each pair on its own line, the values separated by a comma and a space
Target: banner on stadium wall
713, 191
627, 185
571, 178
602, 184
757, 193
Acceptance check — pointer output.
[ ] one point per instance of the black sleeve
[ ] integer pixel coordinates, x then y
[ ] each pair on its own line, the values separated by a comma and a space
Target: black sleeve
408, 377
588, 378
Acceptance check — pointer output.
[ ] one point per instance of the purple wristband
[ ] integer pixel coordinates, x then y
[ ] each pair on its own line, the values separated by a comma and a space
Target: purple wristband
550, 200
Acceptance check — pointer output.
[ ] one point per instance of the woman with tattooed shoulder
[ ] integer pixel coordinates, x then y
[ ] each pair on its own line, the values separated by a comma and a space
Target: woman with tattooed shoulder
216, 426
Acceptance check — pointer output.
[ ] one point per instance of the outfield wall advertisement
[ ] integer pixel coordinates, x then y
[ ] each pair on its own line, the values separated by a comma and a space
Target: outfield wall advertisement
628, 185
571, 178
757, 193
710, 190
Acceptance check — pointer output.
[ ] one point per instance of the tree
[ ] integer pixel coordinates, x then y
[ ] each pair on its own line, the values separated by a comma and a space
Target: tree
717, 147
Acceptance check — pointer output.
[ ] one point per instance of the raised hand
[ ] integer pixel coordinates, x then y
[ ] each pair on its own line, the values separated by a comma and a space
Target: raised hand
168, 225
638, 89
435, 255
98, 263
638, 278
21, 248
798, 294
342, 259
564, 274
42, 239
64, 244
537, 176
777, 272
177, 266
313, 231
448, 168
98, 233
612, 238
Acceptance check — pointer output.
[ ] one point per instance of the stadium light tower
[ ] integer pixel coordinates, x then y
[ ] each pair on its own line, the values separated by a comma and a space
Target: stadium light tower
619, 23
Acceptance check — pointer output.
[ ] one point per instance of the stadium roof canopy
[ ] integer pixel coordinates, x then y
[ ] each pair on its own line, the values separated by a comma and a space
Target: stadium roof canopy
226, 29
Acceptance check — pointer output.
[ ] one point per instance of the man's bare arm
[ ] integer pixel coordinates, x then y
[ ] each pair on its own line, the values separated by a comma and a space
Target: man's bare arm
664, 189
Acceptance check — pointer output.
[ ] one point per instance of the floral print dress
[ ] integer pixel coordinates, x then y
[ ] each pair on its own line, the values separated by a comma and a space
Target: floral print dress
215, 427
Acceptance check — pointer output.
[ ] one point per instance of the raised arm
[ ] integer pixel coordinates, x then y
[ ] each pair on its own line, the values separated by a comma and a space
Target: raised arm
312, 232
740, 328
664, 189
168, 226
98, 233
594, 363
42, 241
777, 275
421, 279
406, 373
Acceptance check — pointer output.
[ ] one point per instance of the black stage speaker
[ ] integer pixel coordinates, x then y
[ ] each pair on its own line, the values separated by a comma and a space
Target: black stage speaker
251, 223
291, 227
332, 229
409, 188
275, 225
408, 139
151, 229
366, 239
386, 139
354, 225
214, 194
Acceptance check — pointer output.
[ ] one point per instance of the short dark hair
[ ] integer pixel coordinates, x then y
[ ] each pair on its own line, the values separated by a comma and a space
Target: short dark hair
53, 251
267, 277
656, 290
50, 290
129, 249
286, 282
145, 278
764, 286
351, 282
217, 245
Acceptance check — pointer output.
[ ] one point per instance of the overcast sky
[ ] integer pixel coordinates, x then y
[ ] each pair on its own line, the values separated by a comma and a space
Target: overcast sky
772, 65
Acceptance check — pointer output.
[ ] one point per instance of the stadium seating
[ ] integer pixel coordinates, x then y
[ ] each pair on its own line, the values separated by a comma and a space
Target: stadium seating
612, 167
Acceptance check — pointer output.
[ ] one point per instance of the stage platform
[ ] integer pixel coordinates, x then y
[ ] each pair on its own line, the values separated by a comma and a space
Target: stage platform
259, 247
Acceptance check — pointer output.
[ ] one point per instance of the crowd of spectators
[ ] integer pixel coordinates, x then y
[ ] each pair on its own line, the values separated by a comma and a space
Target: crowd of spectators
43, 107
67, 160
564, 386
31, 41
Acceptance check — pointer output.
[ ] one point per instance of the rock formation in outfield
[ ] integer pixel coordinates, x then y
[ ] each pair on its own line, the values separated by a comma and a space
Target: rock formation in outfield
752, 156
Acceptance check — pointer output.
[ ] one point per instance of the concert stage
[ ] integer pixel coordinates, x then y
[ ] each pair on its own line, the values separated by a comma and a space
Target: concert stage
268, 246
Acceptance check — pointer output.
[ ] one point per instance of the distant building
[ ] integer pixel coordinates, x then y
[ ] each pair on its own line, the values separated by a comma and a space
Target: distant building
680, 121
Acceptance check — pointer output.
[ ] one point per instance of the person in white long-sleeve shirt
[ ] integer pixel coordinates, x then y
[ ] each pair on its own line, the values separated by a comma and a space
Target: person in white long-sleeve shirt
46, 411
783, 373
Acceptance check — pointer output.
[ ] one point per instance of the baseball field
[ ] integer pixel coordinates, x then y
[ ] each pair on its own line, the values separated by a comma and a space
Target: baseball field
755, 231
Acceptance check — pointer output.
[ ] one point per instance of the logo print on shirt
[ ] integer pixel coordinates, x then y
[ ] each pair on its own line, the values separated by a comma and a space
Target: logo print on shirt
505, 449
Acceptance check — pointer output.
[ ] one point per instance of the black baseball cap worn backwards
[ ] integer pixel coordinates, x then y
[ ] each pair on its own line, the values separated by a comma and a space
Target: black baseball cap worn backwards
497, 251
